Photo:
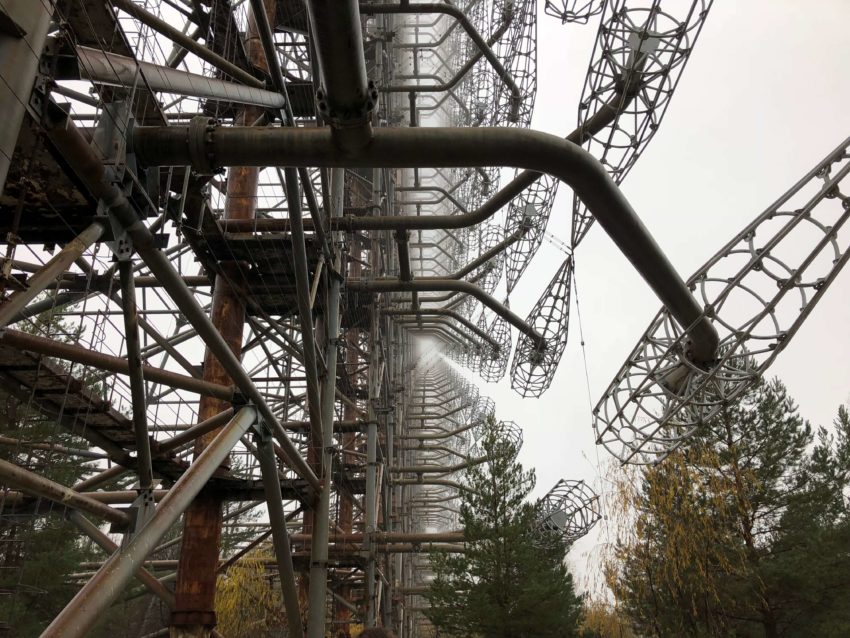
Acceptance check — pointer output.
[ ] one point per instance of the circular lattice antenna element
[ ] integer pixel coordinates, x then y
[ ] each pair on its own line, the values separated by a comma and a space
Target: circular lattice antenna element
510, 431
488, 275
528, 215
485, 408
534, 368
517, 51
638, 58
494, 366
757, 291
570, 509
579, 11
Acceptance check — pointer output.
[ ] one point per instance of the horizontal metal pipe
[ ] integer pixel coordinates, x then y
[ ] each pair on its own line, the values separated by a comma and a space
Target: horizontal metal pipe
123, 497
499, 200
483, 47
438, 469
178, 37
451, 147
439, 436
110, 68
429, 284
437, 312
387, 537
339, 426
32, 483
77, 354
444, 328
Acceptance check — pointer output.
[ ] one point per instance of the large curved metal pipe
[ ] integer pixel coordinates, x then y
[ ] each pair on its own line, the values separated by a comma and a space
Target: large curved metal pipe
484, 47
447, 147
499, 200
439, 312
426, 284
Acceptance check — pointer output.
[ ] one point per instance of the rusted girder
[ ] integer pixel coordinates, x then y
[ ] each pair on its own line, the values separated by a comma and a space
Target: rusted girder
11, 474
78, 354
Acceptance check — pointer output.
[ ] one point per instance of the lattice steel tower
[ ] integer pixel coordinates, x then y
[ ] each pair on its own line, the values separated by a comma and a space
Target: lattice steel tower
253, 252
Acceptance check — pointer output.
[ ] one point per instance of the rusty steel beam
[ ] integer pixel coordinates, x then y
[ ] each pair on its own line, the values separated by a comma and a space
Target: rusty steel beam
37, 485
84, 356
194, 609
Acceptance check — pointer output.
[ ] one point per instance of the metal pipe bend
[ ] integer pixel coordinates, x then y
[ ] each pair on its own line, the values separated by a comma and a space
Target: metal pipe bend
454, 147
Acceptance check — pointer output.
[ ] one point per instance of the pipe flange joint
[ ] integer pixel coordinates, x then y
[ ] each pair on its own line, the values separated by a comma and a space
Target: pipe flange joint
199, 142
353, 117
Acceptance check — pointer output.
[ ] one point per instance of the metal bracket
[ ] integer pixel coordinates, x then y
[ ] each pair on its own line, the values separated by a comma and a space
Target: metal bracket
121, 243
139, 512
262, 432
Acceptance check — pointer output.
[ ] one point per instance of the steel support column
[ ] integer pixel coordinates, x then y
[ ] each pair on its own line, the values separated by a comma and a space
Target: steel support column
321, 529
87, 607
280, 536
194, 610
137, 379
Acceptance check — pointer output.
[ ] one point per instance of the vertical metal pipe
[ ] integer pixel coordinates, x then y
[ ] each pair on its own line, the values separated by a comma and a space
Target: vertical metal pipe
280, 536
194, 613
302, 293
50, 271
321, 530
19, 59
137, 379
371, 518
389, 513
88, 606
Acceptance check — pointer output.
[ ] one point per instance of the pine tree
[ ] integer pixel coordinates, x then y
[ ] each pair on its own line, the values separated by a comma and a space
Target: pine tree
38, 551
511, 582
744, 532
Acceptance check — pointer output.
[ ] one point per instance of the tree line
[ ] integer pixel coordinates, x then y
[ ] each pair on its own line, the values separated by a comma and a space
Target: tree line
744, 532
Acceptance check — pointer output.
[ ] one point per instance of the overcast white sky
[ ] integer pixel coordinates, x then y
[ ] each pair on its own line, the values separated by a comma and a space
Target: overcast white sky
764, 97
